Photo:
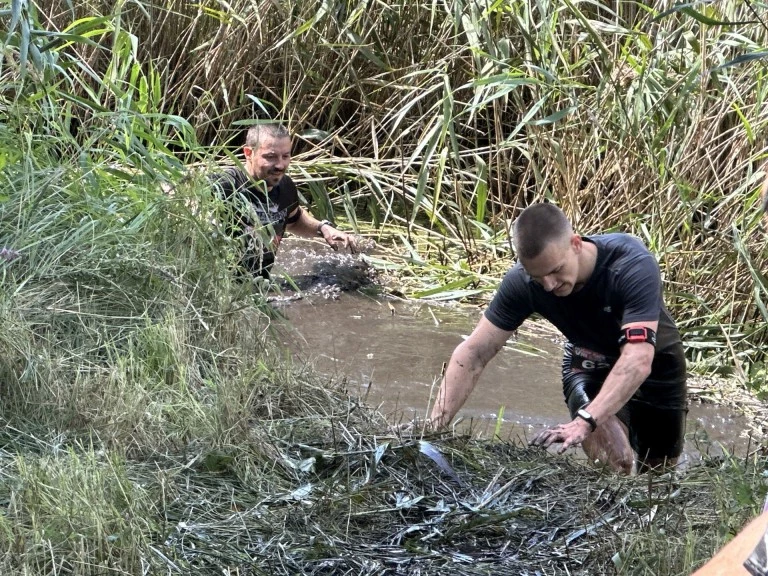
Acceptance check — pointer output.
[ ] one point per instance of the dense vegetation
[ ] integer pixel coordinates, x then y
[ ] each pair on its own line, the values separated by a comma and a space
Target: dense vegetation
448, 117
140, 426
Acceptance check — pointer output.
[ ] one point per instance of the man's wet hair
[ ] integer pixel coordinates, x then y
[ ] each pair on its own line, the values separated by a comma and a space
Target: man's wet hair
269, 129
537, 227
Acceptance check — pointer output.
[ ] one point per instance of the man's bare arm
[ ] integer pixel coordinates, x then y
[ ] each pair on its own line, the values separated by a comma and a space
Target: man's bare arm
626, 376
464, 368
309, 227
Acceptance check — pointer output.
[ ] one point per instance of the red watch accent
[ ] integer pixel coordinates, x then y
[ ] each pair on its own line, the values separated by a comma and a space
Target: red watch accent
637, 334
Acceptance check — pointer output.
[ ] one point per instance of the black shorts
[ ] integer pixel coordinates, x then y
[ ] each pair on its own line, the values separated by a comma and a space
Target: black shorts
655, 415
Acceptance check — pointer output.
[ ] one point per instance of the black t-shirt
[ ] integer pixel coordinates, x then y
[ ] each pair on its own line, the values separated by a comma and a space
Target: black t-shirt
255, 206
624, 287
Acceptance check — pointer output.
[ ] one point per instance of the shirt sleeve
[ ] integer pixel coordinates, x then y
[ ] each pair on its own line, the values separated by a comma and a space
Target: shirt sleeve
639, 288
289, 196
512, 303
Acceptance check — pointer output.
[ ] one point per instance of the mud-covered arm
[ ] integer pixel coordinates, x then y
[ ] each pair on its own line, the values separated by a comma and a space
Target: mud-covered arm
638, 290
626, 376
630, 371
464, 368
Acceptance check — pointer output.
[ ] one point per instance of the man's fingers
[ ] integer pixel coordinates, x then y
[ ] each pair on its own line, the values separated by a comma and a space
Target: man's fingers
545, 438
564, 446
563, 435
536, 440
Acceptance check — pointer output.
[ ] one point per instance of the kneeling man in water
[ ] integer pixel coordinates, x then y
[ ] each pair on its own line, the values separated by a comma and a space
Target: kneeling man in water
624, 372
265, 200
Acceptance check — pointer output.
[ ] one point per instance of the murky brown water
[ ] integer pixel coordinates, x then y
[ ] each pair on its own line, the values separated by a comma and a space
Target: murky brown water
392, 352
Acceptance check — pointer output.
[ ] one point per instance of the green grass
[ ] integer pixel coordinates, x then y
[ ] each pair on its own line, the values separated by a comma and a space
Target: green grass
444, 119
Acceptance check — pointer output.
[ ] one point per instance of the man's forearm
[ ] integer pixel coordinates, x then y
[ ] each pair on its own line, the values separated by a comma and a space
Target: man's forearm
626, 376
460, 378
306, 226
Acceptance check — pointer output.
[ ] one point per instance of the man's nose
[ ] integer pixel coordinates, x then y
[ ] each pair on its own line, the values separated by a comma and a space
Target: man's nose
282, 163
548, 283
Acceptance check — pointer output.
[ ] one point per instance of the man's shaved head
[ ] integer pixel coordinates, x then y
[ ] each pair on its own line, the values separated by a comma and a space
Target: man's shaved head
537, 227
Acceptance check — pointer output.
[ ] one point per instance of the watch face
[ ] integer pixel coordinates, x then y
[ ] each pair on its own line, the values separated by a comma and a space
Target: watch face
636, 335
586, 416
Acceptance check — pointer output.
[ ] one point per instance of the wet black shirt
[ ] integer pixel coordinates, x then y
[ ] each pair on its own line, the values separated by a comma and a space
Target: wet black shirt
255, 206
624, 287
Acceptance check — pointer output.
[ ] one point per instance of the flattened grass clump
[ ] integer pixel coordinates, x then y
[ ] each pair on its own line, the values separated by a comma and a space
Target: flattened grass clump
377, 505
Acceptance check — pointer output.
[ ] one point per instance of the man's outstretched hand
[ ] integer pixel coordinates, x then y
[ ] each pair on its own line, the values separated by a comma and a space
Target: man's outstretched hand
412, 428
337, 238
571, 434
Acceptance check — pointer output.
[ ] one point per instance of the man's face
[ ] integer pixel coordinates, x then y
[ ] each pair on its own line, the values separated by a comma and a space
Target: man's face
270, 160
556, 269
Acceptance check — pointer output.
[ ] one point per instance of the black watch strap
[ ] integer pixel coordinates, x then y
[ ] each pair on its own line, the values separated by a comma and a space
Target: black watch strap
588, 418
320, 226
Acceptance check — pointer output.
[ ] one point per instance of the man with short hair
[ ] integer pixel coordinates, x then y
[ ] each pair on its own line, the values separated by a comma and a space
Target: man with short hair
266, 201
624, 373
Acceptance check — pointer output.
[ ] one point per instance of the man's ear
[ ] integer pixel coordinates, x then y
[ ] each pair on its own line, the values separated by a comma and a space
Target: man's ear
576, 243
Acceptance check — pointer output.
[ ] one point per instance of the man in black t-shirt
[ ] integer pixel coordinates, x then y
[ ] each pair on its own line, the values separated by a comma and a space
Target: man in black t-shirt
624, 369
266, 202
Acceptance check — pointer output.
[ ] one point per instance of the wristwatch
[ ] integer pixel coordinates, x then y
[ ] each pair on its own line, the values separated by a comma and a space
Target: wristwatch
320, 226
584, 415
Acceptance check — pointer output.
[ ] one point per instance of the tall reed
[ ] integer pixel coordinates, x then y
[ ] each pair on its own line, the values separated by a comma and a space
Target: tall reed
449, 117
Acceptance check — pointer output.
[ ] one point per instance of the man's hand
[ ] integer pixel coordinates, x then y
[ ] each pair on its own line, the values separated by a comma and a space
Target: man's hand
336, 238
571, 434
412, 428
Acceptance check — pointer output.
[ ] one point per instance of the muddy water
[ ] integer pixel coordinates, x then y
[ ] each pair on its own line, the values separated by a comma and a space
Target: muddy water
391, 352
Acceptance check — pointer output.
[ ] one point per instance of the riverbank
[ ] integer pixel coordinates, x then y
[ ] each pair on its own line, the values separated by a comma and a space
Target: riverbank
730, 393
313, 483
190, 442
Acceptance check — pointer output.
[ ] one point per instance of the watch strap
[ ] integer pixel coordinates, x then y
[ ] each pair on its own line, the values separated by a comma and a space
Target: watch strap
588, 418
320, 226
